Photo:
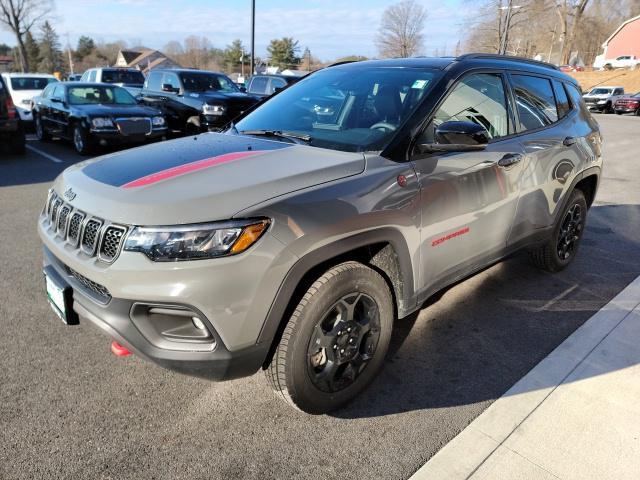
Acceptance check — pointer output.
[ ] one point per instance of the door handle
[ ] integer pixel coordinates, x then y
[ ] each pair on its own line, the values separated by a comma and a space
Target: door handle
567, 142
510, 159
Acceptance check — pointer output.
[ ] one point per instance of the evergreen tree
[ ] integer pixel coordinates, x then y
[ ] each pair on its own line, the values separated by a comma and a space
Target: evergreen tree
50, 52
232, 54
33, 51
283, 52
86, 45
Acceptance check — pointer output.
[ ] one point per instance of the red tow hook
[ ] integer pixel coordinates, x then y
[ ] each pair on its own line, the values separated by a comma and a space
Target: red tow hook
118, 350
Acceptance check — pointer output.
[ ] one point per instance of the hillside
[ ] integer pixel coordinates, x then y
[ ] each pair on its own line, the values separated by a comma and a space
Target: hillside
629, 79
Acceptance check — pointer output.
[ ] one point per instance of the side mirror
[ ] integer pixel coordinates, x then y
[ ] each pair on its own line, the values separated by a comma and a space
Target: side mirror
167, 87
457, 136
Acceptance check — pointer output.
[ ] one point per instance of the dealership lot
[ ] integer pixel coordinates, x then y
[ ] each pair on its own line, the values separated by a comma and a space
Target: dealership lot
70, 409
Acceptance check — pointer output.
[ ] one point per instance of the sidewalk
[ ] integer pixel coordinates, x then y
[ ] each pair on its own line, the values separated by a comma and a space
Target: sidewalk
576, 415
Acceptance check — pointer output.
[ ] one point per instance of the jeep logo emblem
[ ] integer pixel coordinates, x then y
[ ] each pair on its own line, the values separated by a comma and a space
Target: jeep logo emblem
69, 194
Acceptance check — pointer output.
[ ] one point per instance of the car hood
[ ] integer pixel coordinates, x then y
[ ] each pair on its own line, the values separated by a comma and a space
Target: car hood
198, 179
98, 110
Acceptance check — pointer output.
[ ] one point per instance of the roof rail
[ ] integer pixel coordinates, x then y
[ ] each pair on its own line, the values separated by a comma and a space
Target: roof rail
495, 56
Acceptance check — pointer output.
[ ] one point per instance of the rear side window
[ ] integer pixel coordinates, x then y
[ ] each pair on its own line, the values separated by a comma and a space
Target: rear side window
276, 83
618, 91
92, 76
258, 85
154, 81
575, 95
564, 107
535, 101
477, 98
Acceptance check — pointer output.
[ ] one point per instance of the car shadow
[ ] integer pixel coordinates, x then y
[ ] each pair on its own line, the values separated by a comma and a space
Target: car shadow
494, 327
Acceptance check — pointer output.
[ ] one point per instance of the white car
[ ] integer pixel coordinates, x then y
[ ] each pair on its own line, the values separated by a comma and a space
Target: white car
23, 87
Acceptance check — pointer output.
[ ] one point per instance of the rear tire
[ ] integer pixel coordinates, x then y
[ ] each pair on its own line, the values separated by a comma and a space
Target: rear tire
336, 340
559, 251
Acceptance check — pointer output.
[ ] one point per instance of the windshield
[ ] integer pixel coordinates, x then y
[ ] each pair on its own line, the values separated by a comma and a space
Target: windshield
100, 95
31, 83
349, 109
127, 77
204, 82
601, 91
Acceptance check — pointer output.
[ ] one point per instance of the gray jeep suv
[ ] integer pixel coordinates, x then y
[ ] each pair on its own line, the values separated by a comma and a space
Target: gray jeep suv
292, 241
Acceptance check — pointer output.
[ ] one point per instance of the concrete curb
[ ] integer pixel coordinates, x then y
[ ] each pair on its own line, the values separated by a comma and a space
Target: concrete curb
482, 443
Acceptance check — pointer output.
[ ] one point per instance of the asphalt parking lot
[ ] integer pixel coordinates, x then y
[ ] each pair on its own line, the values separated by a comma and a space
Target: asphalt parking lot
70, 409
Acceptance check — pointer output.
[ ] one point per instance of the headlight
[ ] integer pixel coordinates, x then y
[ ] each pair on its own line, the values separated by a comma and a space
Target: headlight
100, 122
158, 121
26, 101
602, 101
213, 109
193, 242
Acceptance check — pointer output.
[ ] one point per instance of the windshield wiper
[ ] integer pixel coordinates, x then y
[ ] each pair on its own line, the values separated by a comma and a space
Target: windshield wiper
279, 133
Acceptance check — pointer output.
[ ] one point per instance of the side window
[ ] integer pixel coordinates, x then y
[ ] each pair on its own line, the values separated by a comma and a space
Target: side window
535, 101
58, 92
171, 79
575, 95
618, 91
276, 83
258, 85
92, 75
562, 100
154, 82
478, 98
47, 91
85, 76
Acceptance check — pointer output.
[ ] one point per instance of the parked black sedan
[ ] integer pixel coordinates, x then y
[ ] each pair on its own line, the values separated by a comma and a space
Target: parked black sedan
195, 101
92, 114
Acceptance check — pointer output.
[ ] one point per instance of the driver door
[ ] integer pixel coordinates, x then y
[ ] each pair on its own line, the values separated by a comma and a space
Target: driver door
469, 198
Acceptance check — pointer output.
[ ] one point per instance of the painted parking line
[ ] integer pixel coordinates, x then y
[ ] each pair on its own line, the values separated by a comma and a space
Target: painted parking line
571, 416
44, 154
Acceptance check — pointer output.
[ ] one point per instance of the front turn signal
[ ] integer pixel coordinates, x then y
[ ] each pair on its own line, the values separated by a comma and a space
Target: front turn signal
250, 235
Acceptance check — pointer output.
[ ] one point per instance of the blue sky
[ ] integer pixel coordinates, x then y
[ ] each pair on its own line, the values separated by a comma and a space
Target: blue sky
330, 28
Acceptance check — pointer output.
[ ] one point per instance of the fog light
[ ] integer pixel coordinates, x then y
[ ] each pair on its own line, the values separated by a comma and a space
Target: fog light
198, 323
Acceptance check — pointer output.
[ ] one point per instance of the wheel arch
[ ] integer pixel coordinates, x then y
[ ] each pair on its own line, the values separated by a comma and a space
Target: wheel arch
384, 250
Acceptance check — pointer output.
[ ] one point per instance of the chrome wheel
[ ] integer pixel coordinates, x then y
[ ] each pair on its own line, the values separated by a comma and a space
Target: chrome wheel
343, 342
39, 131
570, 231
78, 140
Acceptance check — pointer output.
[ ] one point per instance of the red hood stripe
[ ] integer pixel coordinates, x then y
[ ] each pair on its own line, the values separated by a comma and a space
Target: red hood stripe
190, 167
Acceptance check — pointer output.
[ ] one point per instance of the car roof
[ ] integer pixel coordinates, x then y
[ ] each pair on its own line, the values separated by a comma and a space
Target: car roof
186, 70
89, 84
467, 61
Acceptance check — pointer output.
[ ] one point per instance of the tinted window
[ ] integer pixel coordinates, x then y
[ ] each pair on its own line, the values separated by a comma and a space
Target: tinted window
31, 83
480, 99
171, 79
618, 91
100, 95
276, 83
350, 108
127, 77
154, 81
535, 101
58, 92
47, 91
575, 95
92, 76
207, 82
258, 85
564, 107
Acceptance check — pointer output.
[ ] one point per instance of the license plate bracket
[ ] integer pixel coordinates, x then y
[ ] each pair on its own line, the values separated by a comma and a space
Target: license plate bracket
60, 296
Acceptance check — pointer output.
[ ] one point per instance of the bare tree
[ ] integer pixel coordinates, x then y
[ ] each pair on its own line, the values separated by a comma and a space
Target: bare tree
400, 33
570, 13
19, 16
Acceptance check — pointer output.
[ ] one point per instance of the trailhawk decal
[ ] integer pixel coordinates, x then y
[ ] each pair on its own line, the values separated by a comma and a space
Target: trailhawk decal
150, 164
457, 233
189, 167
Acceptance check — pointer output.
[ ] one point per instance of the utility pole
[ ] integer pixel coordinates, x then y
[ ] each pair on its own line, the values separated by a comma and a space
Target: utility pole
69, 52
505, 35
253, 35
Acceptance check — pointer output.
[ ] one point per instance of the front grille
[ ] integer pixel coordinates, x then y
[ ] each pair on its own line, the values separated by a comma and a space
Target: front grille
134, 126
111, 241
92, 235
100, 290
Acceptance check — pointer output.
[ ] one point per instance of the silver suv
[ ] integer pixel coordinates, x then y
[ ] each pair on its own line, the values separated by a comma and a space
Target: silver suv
293, 241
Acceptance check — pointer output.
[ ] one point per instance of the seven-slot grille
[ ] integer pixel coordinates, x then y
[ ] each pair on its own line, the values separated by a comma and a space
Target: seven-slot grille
92, 235
134, 125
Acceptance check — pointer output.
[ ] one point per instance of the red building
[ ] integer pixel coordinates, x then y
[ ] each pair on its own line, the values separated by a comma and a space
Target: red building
624, 41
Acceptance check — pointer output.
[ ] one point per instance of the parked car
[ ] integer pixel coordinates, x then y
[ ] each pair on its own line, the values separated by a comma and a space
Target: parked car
23, 87
291, 242
628, 104
623, 61
92, 114
130, 78
601, 99
11, 127
571, 68
266, 85
74, 77
195, 101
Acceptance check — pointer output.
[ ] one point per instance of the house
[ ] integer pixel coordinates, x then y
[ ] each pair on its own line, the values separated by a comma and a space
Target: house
144, 59
5, 63
624, 41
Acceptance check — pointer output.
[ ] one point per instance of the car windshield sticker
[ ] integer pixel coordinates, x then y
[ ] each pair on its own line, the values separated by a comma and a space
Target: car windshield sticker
419, 84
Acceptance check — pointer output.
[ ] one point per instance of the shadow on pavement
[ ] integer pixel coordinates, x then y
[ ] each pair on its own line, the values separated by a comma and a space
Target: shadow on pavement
475, 346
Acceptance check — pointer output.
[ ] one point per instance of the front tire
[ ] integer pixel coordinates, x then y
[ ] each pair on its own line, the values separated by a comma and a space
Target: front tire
41, 133
560, 250
336, 340
82, 142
